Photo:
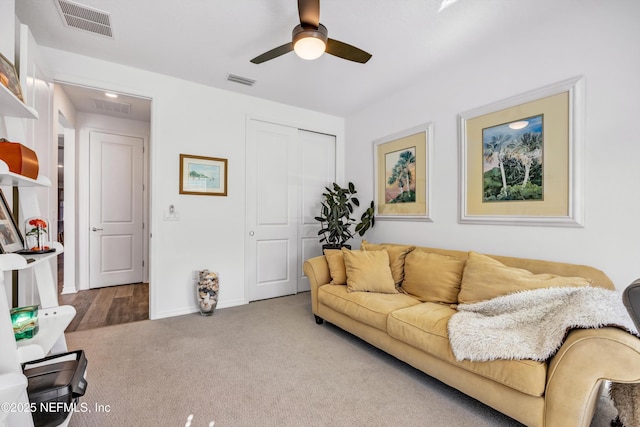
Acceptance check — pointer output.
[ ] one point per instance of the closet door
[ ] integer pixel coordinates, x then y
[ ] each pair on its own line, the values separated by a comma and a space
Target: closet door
318, 162
272, 210
286, 173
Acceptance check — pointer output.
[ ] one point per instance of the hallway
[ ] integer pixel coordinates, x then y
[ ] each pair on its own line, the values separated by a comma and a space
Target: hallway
105, 306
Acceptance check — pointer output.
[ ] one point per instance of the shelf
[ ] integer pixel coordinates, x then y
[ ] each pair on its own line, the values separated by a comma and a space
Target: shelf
10, 262
11, 106
11, 179
52, 322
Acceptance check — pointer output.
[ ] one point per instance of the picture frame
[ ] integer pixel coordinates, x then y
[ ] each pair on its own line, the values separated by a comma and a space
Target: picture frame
11, 239
9, 77
509, 178
203, 176
402, 174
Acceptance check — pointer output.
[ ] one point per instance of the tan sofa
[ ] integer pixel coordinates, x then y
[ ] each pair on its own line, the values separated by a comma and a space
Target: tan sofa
562, 391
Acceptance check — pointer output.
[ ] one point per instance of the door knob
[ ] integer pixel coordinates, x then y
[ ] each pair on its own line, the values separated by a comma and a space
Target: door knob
96, 229
251, 233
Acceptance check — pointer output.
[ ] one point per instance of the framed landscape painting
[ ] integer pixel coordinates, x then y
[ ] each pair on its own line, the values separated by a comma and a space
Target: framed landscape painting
402, 174
201, 175
521, 158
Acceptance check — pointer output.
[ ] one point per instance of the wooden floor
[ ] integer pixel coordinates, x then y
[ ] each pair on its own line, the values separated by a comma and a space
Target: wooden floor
105, 306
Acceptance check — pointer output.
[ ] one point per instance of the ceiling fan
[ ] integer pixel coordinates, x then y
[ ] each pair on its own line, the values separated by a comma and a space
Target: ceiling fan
310, 40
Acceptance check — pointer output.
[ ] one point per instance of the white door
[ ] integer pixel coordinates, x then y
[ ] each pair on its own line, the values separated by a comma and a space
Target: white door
318, 162
115, 211
272, 210
287, 170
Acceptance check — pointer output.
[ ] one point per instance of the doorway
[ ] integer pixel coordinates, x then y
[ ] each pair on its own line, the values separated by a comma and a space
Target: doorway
122, 118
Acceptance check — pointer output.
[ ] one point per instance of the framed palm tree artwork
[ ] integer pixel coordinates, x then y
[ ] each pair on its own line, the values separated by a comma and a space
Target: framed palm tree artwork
520, 158
402, 174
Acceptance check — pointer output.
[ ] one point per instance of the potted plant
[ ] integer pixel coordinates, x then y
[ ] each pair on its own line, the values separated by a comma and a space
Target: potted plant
336, 216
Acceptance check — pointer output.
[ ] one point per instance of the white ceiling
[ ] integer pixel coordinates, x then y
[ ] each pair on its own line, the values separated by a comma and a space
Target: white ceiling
97, 102
205, 40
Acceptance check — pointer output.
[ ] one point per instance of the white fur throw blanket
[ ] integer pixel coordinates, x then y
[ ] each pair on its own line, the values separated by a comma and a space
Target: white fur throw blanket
532, 324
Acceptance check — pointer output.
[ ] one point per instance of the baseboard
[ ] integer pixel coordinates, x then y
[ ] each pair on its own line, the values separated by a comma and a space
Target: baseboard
190, 310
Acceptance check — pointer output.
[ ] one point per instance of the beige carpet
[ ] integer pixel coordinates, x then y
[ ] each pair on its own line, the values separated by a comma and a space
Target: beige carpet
263, 364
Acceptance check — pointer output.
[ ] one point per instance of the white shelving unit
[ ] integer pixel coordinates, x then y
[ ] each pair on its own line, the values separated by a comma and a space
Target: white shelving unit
52, 318
11, 106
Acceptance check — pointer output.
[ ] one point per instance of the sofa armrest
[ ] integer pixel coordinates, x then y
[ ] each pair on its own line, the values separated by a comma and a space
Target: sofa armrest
317, 271
577, 370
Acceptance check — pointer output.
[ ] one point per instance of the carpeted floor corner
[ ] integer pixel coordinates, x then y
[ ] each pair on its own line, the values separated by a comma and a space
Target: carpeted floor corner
267, 364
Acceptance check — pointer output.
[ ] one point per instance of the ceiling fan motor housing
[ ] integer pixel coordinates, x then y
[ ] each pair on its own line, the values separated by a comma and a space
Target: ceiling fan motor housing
304, 31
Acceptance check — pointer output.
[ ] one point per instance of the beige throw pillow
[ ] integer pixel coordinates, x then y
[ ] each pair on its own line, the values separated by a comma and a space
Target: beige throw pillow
397, 255
336, 266
368, 271
432, 277
484, 278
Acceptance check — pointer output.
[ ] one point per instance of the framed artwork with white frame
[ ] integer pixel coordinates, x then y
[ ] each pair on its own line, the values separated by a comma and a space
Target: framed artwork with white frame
520, 159
402, 174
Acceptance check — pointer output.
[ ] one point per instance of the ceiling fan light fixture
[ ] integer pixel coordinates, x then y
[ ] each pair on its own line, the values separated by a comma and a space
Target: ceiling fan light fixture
309, 43
309, 48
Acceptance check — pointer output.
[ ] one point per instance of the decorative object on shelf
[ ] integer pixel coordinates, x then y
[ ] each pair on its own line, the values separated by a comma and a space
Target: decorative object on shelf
403, 174
36, 232
10, 237
20, 159
335, 216
25, 322
9, 77
207, 292
521, 158
206, 176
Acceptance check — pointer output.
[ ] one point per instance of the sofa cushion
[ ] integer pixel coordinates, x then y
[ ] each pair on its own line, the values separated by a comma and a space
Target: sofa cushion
368, 271
335, 260
397, 254
424, 326
432, 277
366, 307
484, 278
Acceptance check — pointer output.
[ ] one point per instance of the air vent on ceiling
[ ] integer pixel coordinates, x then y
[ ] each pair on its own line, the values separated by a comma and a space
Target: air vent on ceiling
85, 18
111, 106
240, 79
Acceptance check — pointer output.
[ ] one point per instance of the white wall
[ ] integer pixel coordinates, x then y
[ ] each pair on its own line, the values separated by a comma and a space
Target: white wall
193, 119
596, 39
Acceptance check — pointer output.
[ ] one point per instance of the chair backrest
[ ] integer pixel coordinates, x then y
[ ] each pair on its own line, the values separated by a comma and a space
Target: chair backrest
631, 299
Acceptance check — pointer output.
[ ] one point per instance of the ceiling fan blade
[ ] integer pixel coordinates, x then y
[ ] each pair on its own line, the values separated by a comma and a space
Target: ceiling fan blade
309, 12
346, 51
273, 53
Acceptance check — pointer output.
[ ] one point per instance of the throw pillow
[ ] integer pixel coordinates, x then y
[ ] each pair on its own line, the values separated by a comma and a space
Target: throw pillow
336, 266
432, 277
397, 255
484, 278
368, 271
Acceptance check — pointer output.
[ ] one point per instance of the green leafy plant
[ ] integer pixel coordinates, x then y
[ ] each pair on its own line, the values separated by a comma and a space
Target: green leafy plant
336, 215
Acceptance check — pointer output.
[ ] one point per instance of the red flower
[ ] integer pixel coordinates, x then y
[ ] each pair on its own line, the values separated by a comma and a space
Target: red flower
37, 222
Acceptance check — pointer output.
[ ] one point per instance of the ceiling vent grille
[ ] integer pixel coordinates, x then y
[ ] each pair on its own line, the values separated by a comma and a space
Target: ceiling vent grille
111, 106
239, 79
85, 18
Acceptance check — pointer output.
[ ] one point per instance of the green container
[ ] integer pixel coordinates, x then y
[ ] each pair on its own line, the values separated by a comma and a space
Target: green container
25, 322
